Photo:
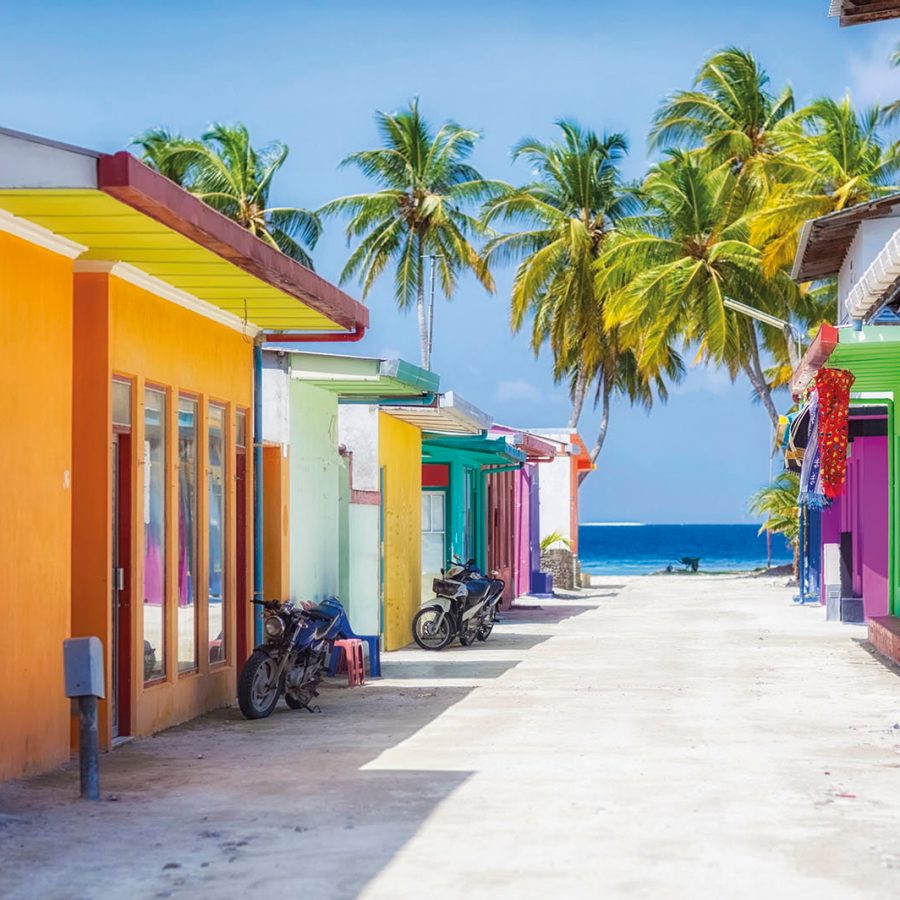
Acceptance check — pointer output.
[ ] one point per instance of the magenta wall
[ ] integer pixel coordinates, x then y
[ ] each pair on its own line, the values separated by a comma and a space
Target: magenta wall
863, 510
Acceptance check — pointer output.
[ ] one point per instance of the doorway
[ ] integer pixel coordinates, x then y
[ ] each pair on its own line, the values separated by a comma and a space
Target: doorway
120, 630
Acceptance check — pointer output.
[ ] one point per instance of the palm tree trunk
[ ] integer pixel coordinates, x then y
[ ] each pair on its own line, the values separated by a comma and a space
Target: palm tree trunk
605, 393
754, 371
420, 307
578, 396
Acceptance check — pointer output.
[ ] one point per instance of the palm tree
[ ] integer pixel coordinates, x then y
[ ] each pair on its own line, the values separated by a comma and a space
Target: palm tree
778, 503
568, 212
418, 213
730, 113
833, 157
668, 271
225, 171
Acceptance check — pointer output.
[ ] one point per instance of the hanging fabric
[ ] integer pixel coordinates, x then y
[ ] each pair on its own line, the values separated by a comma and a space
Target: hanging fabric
833, 389
811, 493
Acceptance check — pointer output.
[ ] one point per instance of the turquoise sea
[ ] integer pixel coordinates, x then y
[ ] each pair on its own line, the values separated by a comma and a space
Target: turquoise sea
637, 549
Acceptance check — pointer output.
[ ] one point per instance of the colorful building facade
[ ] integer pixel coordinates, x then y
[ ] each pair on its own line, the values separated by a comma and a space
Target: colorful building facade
346, 520
853, 546
150, 304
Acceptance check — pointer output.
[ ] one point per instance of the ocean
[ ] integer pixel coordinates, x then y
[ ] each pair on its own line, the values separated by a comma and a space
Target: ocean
635, 549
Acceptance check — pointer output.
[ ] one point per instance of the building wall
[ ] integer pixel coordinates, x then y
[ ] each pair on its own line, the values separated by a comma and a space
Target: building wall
400, 451
35, 504
150, 340
867, 243
556, 497
314, 492
525, 485
276, 522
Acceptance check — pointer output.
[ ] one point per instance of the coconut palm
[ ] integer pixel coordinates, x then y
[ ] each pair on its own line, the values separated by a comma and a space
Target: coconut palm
225, 171
567, 213
833, 157
669, 270
730, 112
419, 212
778, 503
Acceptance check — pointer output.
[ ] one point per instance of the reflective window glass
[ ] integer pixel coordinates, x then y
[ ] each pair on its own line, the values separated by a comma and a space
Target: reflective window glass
154, 461
188, 478
216, 581
121, 403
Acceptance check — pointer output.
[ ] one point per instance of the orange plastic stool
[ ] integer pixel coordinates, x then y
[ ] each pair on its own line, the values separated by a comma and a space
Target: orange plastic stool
352, 658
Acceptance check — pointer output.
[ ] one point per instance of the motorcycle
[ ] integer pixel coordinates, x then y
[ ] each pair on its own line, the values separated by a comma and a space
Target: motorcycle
291, 660
465, 606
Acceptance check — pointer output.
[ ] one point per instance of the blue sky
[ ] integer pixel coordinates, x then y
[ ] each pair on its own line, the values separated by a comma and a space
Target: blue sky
311, 73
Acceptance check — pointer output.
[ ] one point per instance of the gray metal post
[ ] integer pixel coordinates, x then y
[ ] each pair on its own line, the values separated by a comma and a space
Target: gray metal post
89, 748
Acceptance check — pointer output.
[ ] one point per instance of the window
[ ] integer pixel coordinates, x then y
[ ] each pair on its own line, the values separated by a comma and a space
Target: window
216, 533
188, 478
434, 552
121, 403
154, 534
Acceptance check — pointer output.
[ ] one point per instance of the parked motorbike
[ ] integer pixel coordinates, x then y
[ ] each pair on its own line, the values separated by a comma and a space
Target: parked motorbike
464, 606
291, 660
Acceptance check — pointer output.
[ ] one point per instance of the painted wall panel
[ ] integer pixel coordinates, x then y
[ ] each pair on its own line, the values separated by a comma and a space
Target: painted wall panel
35, 505
364, 600
400, 450
315, 493
358, 431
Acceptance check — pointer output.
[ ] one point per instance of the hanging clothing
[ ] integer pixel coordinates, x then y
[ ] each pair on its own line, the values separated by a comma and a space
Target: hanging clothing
811, 493
833, 389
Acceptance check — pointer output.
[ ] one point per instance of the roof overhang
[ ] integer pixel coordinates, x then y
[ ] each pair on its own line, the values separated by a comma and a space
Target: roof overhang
477, 450
448, 414
858, 12
535, 449
824, 242
121, 211
365, 379
817, 354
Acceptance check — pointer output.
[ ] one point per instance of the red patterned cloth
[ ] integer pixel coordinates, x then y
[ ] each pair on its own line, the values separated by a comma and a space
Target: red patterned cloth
833, 386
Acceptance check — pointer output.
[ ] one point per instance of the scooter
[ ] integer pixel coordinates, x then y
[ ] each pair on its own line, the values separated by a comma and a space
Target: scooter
465, 606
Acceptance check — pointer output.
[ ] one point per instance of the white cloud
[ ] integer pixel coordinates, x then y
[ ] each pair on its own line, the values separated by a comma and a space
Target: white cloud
518, 389
390, 353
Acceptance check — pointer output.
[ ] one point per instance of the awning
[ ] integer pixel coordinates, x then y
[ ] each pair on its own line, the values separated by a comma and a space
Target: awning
475, 450
535, 449
857, 12
121, 211
448, 414
816, 356
362, 378
824, 242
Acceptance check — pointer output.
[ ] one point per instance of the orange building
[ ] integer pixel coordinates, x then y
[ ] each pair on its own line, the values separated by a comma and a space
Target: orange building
134, 311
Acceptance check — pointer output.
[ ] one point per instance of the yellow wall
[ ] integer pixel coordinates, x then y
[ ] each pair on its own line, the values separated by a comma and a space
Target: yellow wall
400, 453
35, 504
125, 330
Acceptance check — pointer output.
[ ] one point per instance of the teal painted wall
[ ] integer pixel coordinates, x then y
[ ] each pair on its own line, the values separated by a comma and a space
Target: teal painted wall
315, 485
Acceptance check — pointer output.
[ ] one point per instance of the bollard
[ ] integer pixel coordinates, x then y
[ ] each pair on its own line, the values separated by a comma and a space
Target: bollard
83, 667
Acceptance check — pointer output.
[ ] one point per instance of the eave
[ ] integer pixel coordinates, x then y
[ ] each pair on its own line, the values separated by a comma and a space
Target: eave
121, 211
364, 379
448, 414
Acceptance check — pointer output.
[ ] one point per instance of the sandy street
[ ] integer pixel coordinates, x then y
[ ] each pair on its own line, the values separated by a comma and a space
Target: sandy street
668, 737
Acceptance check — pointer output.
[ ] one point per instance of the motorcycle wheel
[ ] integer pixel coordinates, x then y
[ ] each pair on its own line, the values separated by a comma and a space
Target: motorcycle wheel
424, 633
258, 688
485, 631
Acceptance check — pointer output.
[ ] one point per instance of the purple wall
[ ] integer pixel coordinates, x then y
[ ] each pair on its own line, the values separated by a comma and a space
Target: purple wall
862, 510
866, 513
